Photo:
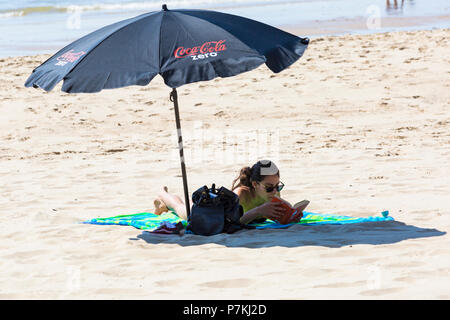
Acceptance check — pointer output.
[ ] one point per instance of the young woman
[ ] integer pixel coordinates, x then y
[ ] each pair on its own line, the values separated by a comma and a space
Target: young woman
255, 186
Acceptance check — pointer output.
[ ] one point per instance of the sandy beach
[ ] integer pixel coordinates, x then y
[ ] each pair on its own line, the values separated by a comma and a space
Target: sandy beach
359, 125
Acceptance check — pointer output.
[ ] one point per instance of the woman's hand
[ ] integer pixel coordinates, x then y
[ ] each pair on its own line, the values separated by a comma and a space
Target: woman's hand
271, 210
297, 217
300, 206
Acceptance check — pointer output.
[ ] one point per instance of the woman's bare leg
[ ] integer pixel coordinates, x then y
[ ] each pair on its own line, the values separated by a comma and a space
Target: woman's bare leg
174, 202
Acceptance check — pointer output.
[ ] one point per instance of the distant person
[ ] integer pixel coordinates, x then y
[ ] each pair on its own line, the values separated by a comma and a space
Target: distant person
255, 186
390, 7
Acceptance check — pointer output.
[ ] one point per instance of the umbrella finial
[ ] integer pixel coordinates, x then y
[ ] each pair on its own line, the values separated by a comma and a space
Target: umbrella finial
164, 7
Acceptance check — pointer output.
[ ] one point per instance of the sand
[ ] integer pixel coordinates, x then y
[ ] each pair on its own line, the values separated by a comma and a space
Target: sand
359, 125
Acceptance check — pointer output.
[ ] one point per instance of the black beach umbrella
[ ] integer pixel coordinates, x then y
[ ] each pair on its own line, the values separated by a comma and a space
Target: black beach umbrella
183, 46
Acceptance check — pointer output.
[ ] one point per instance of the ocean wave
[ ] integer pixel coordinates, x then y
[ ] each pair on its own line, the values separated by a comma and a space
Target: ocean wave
131, 6
30, 10
10, 14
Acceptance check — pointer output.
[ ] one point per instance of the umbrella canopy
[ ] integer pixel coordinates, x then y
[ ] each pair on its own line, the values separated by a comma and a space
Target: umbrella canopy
183, 46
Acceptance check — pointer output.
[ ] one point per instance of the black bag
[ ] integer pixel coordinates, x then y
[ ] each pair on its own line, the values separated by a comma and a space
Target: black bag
215, 211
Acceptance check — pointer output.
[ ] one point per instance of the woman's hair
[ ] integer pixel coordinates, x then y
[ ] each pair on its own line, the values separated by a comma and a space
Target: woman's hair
257, 173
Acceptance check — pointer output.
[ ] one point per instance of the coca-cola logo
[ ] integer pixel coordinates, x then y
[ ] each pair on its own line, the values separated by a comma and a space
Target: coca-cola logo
206, 50
69, 57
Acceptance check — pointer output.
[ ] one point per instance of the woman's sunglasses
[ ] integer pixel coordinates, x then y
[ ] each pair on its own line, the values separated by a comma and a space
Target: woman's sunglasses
279, 187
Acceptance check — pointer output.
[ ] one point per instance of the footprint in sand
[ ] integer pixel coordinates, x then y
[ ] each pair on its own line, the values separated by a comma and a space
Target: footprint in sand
220, 114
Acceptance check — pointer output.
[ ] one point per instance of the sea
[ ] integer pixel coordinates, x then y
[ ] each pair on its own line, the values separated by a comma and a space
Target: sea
29, 27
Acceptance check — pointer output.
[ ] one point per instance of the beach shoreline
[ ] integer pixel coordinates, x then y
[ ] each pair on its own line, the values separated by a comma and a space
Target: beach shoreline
359, 125
54, 30
361, 26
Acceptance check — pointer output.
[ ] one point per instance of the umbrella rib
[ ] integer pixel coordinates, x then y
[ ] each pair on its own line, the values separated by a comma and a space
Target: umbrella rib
159, 41
184, 29
224, 30
193, 40
103, 40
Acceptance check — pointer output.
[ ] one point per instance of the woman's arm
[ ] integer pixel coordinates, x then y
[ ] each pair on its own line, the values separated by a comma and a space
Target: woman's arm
251, 215
268, 210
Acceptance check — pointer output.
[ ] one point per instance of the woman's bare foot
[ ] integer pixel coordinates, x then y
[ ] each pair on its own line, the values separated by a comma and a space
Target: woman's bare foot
160, 206
163, 191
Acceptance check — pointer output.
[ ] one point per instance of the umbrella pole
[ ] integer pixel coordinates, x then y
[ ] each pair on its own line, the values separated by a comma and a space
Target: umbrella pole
174, 99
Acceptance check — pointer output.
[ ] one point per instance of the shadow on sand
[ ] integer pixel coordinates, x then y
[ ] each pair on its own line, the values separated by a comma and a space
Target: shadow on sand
332, 236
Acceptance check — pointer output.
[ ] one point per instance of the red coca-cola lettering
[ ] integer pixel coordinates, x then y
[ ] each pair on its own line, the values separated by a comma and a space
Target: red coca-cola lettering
70, 56
207, 47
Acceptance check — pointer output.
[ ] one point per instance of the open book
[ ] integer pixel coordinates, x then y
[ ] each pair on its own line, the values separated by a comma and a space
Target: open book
290, 212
